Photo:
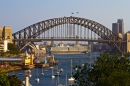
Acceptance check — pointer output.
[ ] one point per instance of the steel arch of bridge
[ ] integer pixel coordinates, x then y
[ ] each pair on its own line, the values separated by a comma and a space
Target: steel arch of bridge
21, 37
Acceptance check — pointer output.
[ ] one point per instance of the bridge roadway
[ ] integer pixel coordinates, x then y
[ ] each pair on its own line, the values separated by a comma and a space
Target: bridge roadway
70, 39
10, 60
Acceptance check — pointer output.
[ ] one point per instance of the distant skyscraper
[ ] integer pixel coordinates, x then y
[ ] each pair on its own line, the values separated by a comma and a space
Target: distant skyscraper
115, 28
121, 26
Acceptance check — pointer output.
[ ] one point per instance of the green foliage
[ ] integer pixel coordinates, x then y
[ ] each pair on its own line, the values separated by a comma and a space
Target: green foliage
107, 71
11, 80
4, 80
14, 81
13, 49
2, 53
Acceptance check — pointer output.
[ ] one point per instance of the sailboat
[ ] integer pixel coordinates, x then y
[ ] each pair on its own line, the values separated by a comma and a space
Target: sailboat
66, 80
29, 72
42, 71
71, 78
59, 82
37, 79
30, 75
91, 61
76, 68
61, 70
52, 76
82, 63
57, 73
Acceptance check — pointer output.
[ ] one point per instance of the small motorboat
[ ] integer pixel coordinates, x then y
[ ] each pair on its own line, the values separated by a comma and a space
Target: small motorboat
30, 75
61, 70
52, 76
57, 74
37, 79
71, 79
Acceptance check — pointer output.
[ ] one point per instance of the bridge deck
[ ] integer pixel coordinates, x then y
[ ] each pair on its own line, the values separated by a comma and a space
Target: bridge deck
64, 39
10, 59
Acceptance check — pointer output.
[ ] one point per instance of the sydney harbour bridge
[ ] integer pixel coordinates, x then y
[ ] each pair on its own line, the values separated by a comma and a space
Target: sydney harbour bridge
68, 29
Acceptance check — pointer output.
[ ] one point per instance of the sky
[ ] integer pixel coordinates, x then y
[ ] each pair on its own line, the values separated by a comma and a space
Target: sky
20, 14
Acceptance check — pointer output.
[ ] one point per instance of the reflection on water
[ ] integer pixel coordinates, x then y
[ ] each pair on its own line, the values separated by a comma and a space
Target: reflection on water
46, 79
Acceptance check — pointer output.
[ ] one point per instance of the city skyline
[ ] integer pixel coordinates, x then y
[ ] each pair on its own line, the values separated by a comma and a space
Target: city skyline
21, 14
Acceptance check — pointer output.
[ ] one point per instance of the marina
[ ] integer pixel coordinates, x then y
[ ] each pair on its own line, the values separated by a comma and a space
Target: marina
64, 43
64, 62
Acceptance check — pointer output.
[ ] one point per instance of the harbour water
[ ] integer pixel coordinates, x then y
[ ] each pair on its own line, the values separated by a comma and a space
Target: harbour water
63, 62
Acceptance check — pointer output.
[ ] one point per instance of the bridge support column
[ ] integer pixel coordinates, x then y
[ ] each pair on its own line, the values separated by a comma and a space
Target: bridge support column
52, 41
127, 43
77, 42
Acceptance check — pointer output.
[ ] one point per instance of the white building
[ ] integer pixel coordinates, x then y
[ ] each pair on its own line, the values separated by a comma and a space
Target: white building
37, 46
4, 45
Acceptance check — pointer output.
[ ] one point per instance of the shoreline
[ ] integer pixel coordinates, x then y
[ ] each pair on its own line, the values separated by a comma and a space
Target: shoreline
15, 68
9, 69
68, 53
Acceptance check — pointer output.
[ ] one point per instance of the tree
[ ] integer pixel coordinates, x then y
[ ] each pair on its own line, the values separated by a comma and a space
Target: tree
13, 49
4, 80
107, 71
2, 53
14, 81
9, 80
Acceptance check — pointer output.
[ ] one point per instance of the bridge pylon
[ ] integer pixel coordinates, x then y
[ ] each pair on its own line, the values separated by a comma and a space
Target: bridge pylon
127, 44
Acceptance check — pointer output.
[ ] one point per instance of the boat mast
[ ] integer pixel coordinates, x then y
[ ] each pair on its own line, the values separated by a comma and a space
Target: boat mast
52, 71
37, 73
66, 79
58, 79
42, 69
71, 67
57, 68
